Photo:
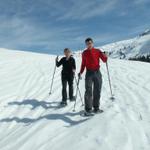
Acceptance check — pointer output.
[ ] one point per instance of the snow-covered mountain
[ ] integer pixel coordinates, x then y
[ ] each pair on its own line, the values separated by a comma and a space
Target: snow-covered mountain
30, 119
138, 46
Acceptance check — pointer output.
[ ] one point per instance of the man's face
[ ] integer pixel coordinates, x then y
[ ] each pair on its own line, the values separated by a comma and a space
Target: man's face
67, 53
89, 44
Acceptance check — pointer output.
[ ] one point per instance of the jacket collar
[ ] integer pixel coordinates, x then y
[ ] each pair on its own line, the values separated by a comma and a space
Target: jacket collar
91, 49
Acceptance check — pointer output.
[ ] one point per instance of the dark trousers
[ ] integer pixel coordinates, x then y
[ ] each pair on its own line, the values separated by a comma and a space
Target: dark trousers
93, 84
67, 78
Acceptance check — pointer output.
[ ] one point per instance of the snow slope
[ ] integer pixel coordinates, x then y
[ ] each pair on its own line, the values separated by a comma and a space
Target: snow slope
126, 49
30, 119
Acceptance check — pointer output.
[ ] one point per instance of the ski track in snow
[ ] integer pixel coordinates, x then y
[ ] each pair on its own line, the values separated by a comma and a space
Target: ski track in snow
31, 119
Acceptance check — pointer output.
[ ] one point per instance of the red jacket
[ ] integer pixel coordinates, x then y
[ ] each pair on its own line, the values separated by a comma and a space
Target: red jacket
91, 59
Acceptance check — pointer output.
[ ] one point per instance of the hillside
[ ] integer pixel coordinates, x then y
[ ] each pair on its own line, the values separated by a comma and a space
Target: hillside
138, 46
30, 119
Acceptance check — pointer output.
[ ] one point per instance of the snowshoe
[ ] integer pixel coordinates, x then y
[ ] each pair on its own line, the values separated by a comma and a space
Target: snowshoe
63, 104
98, 111
87, 113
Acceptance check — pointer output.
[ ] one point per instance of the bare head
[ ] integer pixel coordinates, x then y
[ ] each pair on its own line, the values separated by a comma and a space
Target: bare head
89, 43
67, 52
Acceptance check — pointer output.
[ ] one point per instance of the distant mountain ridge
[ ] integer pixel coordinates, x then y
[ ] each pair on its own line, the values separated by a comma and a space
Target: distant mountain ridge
132, 48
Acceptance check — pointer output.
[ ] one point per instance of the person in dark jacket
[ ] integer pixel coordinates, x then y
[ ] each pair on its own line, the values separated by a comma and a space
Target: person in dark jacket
93, 79
67, 74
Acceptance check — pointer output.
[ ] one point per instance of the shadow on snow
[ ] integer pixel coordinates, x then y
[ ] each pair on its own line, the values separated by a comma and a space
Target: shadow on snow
35, 103
66, 117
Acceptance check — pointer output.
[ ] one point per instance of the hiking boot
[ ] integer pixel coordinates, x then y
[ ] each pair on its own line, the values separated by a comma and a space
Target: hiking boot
88, 113
72, 99
97, 111
63, 103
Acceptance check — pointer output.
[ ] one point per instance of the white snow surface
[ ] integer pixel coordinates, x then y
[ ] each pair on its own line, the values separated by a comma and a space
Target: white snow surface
30, 119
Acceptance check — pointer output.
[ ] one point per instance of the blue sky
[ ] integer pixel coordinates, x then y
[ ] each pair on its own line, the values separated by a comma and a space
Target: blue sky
48, 26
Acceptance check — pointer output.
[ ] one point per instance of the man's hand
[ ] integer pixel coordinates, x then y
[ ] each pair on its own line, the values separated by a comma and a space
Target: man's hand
106, 53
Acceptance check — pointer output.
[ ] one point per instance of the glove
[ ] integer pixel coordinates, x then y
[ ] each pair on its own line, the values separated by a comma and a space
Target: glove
106, 53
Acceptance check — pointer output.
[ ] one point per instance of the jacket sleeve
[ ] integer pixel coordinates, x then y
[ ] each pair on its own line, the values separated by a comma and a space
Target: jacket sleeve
59, 63
103, 56
82, 64
74, 64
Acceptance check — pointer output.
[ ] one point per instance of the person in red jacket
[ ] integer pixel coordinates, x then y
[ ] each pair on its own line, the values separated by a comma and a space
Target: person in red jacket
93, 79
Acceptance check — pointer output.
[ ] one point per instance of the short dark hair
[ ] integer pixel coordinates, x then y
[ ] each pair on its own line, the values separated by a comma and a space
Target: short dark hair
88, 40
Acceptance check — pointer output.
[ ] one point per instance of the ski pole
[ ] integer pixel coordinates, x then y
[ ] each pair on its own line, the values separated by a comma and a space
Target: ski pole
52, 80
77, 88
109, 81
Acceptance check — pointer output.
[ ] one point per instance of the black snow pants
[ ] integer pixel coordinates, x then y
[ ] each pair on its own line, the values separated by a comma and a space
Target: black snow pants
67, 78
93, 84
